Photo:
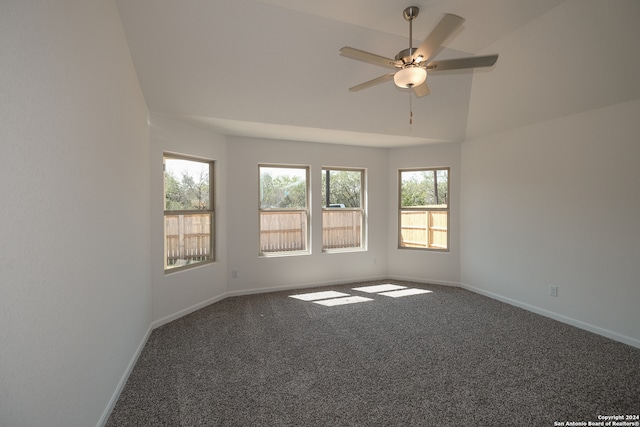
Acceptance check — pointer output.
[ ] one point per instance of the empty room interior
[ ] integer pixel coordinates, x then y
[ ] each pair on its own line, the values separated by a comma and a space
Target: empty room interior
532, 158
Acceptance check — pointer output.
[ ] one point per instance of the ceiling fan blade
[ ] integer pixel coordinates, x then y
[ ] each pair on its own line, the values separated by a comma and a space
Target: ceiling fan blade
371, 58
461, 63
422, 90
447, 26
373, 82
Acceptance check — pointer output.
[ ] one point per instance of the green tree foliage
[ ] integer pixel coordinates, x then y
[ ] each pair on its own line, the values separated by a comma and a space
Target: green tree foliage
344, 188
419, 188
282, 190
191, 192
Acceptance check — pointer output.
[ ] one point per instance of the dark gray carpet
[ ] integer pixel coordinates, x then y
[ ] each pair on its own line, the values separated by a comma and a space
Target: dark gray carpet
446, 358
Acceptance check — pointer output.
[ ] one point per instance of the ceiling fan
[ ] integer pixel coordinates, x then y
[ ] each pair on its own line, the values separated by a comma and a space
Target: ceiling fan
411, 64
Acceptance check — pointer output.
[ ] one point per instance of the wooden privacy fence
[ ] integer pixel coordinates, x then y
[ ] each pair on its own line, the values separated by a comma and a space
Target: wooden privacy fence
283, 231
187, 239
287, 231
423, 229
341, 229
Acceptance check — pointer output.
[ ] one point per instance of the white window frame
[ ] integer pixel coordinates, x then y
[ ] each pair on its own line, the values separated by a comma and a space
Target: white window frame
283, 243
360, 212
207, 254
430, 212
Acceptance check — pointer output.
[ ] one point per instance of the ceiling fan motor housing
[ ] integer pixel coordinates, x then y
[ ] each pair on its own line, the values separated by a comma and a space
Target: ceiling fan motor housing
406, 55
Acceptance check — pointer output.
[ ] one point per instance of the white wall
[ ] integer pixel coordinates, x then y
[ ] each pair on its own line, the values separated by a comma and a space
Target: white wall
557, 203
74, 231
554, 200
426, 266
180, 292
260, 274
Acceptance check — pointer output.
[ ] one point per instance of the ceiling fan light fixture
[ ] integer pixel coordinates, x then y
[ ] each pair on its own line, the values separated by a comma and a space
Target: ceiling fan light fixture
410, 77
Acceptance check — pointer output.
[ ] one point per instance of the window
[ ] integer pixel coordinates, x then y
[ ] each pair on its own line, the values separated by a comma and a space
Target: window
424, 209
342, 209
188, 212
284, 209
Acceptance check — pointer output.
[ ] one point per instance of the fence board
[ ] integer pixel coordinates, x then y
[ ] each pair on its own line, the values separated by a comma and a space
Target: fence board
423, 229
341, 229
283, 231
187, 239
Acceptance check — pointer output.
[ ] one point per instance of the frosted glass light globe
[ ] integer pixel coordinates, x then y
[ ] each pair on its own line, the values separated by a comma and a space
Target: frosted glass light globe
410, 77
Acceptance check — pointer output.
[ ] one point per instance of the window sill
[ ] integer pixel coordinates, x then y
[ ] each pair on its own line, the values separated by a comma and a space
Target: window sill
432, 249
343, 250
283, 254
188, 267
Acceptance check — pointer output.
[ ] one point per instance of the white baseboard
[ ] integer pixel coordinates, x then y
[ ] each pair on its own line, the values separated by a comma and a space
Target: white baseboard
556, 316
123, 380
170, 318
253, 291
425, 281
303, 286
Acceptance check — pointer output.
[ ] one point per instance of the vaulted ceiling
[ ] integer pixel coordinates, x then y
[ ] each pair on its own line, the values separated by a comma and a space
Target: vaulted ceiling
271, 68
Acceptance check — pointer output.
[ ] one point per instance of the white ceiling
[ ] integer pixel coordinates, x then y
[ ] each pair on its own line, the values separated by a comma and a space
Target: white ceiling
272, 69
486, 20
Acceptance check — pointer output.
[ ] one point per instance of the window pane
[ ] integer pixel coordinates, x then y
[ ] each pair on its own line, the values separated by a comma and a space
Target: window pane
424, 209
416, 188
442, 177
186, 184
187, 239
413, 229
341, 229
283, 231
438, 229
344, 188
423, 229
426, 188
282, 187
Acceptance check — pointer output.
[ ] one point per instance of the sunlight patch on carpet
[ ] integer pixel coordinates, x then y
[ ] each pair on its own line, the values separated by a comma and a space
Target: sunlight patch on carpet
379, 288
405, 292
332, 298
313, 296
343, 301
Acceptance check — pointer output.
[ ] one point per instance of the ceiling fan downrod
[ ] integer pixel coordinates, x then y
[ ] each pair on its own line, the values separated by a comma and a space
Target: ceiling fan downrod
410, 14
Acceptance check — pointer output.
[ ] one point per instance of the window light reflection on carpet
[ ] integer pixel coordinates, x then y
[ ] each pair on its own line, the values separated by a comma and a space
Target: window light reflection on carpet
313, 296
379, 288
333, 298
343, 301
405, 292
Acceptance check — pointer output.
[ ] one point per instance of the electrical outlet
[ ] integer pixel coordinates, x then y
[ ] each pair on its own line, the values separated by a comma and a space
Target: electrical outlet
553, 291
